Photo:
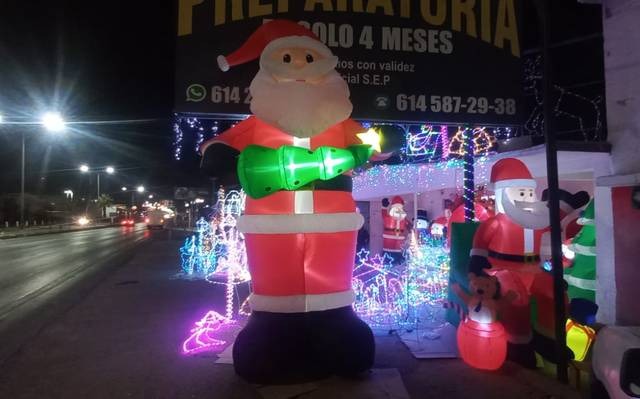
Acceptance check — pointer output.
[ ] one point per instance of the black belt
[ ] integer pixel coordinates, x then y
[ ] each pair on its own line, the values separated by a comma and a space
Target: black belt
338, 183
532, 258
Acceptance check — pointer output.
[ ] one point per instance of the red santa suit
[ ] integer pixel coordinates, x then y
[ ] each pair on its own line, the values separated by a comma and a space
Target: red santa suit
395, 229
300, 244
512, 250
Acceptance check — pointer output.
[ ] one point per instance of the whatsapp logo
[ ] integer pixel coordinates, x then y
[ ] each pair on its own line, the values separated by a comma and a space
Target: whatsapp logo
196, 92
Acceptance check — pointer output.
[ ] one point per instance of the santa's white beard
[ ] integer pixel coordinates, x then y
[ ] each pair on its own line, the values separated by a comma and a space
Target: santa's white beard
530, 215
299, 108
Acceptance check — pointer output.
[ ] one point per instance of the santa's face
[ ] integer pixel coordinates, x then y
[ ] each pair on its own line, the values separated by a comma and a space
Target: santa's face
521, 194
299, 91
397, 212
522, 206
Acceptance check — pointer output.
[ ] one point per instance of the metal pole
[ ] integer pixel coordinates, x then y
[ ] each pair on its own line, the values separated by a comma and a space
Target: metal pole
554, 201
98, 174
22, 185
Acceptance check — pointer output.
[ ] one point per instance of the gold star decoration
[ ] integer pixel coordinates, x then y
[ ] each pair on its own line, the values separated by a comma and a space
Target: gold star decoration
372, 138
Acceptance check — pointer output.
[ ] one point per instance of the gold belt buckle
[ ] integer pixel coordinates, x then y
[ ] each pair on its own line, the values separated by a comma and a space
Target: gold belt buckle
529, 257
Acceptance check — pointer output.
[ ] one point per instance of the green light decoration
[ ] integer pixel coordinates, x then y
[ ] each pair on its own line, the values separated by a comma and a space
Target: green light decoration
263, 170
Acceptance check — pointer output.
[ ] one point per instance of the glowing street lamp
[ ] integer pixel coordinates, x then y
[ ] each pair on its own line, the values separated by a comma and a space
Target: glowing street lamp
53, 122
84, 168
124, 188
140, 189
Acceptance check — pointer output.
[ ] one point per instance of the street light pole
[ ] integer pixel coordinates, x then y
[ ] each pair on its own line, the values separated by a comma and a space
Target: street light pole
542, 7
22, 185
98, 175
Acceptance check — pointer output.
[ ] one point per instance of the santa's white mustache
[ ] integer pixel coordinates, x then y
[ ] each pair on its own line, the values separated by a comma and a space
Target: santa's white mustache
536, 208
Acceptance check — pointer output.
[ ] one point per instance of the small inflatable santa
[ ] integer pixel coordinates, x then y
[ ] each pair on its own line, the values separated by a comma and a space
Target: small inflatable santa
395, 224
509, 243
293, 158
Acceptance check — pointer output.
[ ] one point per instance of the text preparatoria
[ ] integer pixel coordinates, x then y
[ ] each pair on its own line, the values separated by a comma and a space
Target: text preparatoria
454, 61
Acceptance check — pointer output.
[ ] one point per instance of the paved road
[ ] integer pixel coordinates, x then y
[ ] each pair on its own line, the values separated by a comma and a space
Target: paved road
32, 266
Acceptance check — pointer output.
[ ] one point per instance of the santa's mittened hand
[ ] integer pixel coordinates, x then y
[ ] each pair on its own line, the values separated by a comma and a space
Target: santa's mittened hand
478, 264
221, 161
575, 201
385, 202
393, 138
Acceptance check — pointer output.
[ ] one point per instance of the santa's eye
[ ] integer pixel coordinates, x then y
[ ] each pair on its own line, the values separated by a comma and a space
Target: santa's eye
522, 194
530, 194
286, 58
309, 58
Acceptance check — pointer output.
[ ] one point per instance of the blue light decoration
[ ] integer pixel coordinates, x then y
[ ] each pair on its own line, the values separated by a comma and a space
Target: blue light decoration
428, 145
215, 247
379, 290
402, 296
199, 254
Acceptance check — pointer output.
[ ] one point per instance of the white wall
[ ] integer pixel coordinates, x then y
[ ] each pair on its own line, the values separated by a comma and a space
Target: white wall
622, 76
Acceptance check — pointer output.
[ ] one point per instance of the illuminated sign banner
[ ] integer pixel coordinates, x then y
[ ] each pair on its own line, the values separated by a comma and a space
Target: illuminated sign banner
448, 61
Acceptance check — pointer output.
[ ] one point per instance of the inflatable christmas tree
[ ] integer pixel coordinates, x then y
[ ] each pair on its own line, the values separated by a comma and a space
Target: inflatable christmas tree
581, 277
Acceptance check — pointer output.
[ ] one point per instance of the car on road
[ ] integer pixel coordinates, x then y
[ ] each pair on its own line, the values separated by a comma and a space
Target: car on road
155, 219
616, 363
128, 222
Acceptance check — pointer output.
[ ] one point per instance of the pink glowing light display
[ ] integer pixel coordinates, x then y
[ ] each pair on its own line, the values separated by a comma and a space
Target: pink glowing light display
203, 334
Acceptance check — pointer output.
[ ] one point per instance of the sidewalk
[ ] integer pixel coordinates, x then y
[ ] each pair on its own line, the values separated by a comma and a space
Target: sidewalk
124, 341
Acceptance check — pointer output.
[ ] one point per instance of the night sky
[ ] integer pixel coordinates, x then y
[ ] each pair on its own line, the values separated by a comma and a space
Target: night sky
114, 61
92, 61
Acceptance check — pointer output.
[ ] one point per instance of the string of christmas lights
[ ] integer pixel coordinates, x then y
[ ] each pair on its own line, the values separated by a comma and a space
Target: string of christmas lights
425, 143
204, 333
393, 297
570, 107
469, 144
482, 139
406, 177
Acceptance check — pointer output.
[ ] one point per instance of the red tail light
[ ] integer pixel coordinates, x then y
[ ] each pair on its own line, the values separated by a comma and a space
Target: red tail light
146, 220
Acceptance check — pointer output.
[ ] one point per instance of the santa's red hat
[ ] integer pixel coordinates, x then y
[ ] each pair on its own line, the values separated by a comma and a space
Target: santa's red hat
397, 200
511, 172
272, 36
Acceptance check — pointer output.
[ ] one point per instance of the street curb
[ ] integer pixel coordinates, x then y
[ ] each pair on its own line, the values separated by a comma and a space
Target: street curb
9, 237
19, 331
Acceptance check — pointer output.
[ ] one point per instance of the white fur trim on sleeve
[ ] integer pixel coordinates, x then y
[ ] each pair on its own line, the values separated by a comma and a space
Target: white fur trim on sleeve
303, 223
478, 252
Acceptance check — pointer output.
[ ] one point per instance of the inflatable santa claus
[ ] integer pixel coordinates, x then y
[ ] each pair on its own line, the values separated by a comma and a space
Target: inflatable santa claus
509, 243
293, 158
396, 225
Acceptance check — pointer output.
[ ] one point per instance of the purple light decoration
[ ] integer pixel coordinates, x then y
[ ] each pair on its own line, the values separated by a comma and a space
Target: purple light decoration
444, 141
203, 333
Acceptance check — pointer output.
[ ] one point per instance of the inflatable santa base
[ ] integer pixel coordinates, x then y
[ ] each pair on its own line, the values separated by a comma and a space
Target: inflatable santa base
281, 348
